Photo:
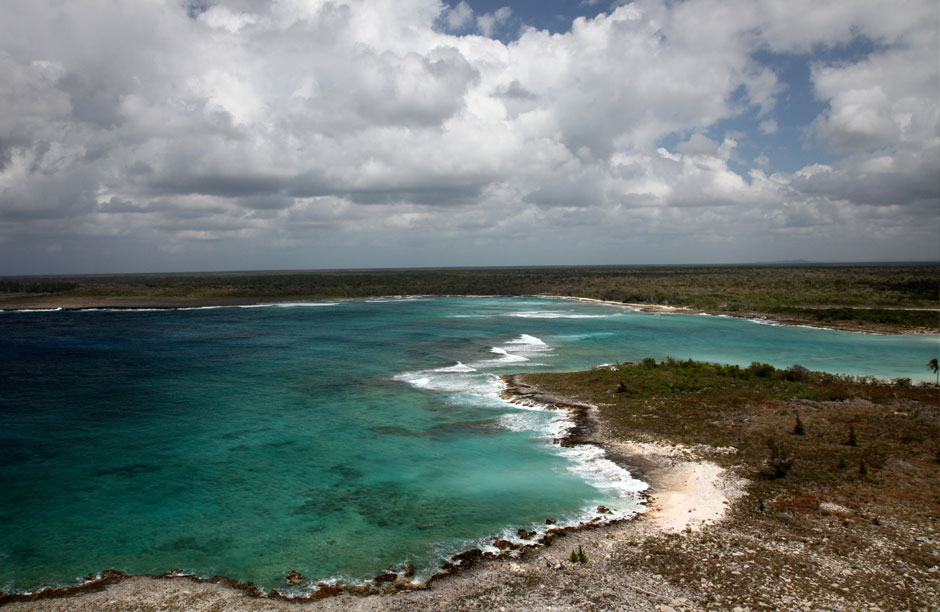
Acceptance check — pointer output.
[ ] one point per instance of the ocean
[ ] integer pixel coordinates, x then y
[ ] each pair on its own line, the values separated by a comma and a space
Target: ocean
337, 439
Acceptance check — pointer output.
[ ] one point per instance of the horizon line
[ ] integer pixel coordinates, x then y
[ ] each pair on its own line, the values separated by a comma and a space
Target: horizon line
777, 263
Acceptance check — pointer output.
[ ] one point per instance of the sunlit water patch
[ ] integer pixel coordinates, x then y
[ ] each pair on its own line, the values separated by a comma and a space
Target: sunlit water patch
332, 438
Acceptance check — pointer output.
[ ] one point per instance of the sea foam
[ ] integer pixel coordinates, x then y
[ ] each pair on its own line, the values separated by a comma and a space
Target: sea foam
506, 356
527, 340
459, 367
289, 305
31, 310
551, 314
462, 382
615, 485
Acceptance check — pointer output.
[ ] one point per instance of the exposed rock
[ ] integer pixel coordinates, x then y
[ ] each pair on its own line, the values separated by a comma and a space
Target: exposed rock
504, 544
389, 577
294, 578
325, 590
467, 557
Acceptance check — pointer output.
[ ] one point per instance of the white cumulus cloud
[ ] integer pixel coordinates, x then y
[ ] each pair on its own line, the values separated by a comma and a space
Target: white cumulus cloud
364, 132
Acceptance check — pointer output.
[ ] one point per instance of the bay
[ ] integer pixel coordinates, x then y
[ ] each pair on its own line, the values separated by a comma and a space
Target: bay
332, 438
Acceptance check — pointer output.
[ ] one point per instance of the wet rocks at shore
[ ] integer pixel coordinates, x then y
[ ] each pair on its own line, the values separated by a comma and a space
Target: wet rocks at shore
504, 544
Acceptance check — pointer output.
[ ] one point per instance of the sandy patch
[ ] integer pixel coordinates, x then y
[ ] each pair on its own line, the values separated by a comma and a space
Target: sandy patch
688, 491
637, 306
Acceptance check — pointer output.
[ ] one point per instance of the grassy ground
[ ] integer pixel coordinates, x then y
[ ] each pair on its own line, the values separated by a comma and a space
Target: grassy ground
847, 510
892, 298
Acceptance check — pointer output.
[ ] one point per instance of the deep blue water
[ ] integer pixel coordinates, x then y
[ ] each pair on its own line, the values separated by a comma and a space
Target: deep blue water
336, 439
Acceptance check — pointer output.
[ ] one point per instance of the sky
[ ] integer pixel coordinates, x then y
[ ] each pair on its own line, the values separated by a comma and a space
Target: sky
188, 135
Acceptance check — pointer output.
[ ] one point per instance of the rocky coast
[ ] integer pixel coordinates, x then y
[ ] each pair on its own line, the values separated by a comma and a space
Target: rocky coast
687, 493
717, 533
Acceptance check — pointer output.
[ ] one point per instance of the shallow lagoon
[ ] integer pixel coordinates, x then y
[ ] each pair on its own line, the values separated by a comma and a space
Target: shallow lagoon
332, 438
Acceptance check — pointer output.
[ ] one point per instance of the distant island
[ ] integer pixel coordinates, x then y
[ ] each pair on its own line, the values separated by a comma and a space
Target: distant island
884, 298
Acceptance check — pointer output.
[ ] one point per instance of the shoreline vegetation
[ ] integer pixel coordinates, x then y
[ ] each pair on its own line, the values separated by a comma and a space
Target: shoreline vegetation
880, 298
770, 489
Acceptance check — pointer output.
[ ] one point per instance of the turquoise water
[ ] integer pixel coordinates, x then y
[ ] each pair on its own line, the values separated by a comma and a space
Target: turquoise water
335, 439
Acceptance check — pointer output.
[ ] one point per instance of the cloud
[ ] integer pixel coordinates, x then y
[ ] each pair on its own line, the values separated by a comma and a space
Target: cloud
698, 145
221, 17
459, 17
489, 23
888, 99
768, 127
324, 127
888, 181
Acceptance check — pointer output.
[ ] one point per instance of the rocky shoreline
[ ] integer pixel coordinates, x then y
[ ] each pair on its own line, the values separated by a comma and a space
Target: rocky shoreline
583, 431
705, 543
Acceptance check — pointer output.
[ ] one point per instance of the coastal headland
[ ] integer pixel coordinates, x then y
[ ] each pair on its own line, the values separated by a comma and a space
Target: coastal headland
881, 298
770, 489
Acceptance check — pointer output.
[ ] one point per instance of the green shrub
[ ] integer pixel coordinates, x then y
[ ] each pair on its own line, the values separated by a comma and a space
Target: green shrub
834, 394
798, 429
781, 459
761, 370
578, 556
853, 439
796, 373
